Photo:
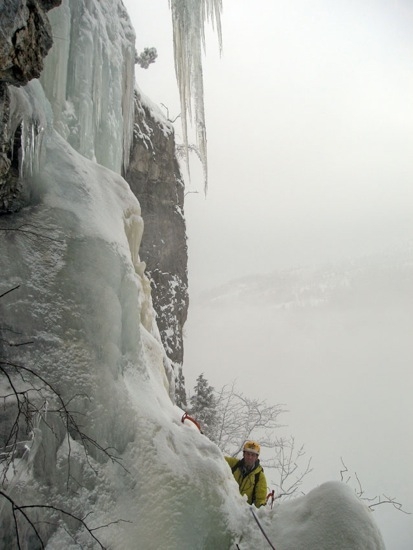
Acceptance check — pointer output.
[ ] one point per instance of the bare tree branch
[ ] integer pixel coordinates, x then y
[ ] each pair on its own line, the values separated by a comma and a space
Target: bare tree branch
27, 408
26, 394
167, 114
373, 501
23, 509
240, 418
30, 233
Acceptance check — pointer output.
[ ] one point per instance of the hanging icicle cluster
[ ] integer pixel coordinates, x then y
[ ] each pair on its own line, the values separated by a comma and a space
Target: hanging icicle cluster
188, 21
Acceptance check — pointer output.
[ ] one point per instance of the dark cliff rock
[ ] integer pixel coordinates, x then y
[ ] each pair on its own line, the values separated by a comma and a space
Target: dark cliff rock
26, 37
154, 177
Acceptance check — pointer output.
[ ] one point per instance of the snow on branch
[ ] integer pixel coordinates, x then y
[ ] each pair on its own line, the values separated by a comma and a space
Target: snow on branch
188, 22
145, 58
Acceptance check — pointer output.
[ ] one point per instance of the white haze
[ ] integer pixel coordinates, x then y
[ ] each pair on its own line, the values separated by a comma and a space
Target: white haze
310, 139
309, 124
334, 344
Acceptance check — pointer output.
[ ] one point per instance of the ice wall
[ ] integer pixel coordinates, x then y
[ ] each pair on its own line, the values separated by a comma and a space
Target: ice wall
89, 79
85, 304
103, 439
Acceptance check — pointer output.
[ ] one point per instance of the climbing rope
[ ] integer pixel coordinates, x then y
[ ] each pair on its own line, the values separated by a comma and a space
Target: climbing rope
261, 528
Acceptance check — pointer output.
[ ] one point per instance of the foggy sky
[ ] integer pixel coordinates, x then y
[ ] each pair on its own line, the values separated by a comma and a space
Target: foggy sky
310, 137
309, 124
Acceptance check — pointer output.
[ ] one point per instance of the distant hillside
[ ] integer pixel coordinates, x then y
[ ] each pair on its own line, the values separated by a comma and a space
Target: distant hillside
358, 281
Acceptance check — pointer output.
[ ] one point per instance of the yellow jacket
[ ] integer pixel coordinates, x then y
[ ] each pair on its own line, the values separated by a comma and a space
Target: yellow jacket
248, 482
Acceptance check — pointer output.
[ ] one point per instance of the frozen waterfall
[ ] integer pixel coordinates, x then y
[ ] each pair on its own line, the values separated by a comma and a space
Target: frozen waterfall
89, 79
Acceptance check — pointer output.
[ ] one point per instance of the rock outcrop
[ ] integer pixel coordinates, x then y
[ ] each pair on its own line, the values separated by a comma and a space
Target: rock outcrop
26, 39
154, 177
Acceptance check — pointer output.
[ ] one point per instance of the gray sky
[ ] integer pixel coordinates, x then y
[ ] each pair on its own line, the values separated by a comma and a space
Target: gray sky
309, 116
309, 122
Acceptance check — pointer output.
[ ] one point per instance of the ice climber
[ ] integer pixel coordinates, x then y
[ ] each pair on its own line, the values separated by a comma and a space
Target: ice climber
249, 474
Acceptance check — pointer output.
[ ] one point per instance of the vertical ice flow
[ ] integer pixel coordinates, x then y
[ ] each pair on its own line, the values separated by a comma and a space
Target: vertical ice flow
89, 80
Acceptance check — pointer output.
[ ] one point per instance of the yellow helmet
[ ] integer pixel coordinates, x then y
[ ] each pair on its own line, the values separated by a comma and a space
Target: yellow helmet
252, 447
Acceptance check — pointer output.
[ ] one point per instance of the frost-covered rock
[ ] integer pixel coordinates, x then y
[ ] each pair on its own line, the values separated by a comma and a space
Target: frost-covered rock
155, 178
26, 37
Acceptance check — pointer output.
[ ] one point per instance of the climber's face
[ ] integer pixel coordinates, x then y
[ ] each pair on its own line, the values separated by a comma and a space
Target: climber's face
250, 458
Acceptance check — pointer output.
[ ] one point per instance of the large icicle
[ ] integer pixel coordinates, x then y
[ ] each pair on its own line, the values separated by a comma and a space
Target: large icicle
188, 20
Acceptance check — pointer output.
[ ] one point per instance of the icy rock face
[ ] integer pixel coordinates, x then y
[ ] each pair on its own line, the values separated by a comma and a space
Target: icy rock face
79, 344
26, 37
155, 178
84, 304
